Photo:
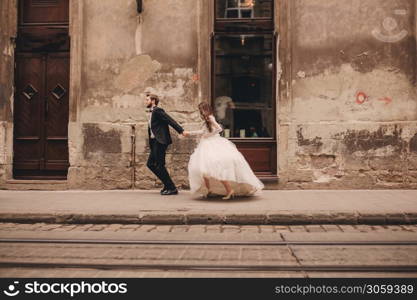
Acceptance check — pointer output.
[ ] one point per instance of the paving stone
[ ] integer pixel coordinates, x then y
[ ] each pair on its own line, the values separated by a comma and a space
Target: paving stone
197, 229
280, 228
141, 228
230, 229
289, 217
348, 228
296, 228
84, 227
250, 228
213, 228
66, 227
113, 227
97, 228
363, 228
246, 219
266, 228
178, 228
314, 228
204, 218
331, 227
173, 219
409, 228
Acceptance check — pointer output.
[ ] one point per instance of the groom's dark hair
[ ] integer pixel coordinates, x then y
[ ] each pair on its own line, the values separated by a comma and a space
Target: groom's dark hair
154, 98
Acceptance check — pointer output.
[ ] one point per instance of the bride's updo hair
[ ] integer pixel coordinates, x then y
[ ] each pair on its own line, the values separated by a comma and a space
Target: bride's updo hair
205, 112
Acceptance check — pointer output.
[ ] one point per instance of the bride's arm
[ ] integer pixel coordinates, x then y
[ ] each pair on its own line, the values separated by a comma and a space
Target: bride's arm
216, 128
195, 132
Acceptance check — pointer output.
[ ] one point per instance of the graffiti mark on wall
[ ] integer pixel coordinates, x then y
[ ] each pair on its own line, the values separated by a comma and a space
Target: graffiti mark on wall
391, 32
387, 100
361, 97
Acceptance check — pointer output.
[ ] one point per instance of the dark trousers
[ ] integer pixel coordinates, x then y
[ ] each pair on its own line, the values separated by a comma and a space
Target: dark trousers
156, 163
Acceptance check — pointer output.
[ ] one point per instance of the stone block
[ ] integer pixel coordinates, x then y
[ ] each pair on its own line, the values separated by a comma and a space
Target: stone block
321, 218
371, 218
344, 218
355, 163
167, 218
245, 219
412, 162
3, 177
106, 145
356, 180
391, 176
99, 177
411, 218
3, 144
396, 218
300, 176
412, 177
193, 218
289, 217
145, 179
394, 163
322, 161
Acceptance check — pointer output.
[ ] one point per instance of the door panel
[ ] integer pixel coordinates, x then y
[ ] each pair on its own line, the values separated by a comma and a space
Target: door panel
28, 146
261, 156
56, 114
41, 104
44, 11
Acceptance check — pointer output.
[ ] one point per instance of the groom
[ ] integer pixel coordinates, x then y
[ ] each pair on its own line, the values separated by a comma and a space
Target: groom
159, 140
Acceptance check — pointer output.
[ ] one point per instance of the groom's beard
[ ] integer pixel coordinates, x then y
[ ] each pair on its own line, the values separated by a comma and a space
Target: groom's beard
149, 106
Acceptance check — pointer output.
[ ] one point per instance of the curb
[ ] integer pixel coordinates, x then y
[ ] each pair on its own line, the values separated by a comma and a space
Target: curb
271, 218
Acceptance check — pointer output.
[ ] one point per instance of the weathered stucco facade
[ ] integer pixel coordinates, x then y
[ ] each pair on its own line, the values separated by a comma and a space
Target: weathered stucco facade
346, 90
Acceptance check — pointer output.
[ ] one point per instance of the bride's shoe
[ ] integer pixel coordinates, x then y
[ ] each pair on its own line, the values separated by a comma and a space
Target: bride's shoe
230, 195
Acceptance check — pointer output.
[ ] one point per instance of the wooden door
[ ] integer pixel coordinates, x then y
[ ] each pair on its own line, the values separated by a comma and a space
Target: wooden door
42, 91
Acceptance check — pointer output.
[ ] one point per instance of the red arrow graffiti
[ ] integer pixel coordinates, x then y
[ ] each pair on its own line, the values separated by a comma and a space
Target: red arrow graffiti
387, 100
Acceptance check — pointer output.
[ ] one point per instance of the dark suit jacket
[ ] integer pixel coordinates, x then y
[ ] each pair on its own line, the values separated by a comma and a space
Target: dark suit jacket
159, 122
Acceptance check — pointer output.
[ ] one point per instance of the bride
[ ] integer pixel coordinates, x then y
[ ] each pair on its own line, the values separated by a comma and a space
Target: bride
216, 166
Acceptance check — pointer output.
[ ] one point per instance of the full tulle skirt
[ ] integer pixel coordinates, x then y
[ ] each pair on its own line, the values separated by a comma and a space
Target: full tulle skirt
218, 159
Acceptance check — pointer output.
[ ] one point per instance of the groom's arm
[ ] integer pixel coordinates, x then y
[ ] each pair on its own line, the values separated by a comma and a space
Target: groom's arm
170, 121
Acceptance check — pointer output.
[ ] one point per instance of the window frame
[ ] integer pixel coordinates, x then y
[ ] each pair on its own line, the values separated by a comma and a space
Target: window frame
256, 26
253, 24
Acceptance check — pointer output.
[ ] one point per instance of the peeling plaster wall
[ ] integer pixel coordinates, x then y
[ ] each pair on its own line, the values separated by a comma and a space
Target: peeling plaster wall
353, 119
126, 55
347, 120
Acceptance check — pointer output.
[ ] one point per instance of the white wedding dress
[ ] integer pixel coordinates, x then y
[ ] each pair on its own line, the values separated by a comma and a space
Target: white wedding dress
218, 159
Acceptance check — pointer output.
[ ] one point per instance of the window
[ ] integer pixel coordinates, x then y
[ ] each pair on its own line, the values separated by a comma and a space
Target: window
243, 9
243, 68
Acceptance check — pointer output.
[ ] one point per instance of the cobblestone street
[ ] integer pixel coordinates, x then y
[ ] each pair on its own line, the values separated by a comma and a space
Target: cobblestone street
249, 250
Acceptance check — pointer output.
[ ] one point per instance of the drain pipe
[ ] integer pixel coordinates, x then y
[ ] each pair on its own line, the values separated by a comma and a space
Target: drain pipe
133, 154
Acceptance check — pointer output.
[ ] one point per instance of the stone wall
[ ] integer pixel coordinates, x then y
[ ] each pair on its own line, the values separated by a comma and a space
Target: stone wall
346, 104
8, 15
124, 56
353, 113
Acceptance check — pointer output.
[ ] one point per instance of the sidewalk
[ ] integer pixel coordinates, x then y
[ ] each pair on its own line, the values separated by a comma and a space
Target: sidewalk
271, 207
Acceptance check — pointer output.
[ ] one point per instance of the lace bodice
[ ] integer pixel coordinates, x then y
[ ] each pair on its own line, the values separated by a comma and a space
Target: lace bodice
204, 132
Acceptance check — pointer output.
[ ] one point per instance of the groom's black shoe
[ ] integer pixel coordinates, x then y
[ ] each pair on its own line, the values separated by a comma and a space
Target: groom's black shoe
163, 190
170, 192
